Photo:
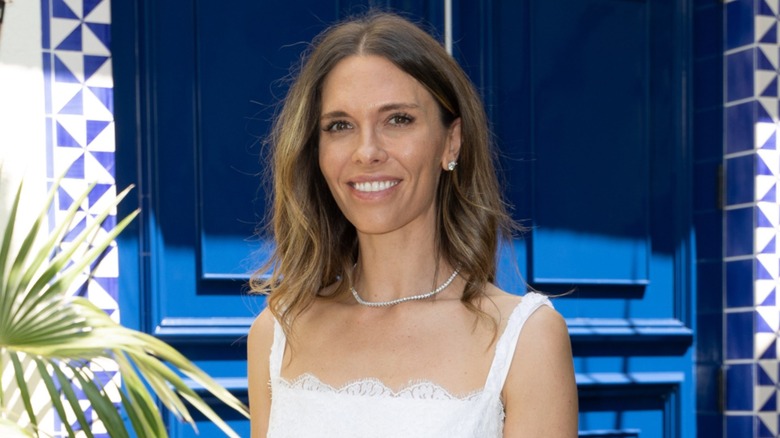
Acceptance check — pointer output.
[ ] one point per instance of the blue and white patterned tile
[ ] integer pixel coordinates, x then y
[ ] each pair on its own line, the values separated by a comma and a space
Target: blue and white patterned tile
767, 320
766, 188
766, 135
765, 28
766, 401
765, 344
768, 162
79, 102
765, 83
767, 110
765, 290
767, 372
766, 425
766, 241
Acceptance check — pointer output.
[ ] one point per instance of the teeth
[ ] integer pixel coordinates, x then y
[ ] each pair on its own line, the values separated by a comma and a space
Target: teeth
374, 186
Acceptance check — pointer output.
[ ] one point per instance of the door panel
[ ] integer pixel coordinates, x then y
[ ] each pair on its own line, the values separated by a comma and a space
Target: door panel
593, 113
587, 102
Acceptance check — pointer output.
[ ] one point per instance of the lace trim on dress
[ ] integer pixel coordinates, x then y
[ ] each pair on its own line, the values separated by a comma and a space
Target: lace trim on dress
371, 387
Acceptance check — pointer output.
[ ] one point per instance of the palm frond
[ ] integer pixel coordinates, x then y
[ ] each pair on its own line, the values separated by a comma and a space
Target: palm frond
54, 339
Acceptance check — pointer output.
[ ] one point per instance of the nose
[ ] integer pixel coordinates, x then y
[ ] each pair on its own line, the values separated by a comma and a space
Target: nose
369, 149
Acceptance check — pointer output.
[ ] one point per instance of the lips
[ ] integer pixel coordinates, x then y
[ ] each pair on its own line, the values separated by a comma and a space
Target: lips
373, 186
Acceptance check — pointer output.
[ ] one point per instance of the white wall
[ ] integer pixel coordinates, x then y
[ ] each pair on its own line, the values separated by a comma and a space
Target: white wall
22, 110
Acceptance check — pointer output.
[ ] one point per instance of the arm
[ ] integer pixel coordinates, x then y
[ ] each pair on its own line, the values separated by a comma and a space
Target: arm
258, 352
540, 392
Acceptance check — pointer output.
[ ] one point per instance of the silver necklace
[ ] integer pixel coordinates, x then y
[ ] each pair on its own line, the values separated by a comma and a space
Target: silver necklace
404, 299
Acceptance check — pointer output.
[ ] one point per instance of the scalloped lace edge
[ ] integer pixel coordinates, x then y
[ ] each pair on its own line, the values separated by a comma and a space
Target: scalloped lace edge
372, 387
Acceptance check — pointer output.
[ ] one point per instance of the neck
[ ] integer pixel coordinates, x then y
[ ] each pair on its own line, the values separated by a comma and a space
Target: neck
390, 268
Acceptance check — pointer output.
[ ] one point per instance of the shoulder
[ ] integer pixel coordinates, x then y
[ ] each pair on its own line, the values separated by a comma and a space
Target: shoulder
500, 304
540, 389
262, 329
261, 337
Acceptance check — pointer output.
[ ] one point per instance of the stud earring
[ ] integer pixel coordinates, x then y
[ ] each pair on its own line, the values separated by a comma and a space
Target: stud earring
451, 165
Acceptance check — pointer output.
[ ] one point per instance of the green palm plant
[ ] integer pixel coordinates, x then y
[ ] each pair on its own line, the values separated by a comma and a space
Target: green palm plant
48, 338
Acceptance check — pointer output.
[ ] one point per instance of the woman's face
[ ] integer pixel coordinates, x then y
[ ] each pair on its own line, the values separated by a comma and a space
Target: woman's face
382, 145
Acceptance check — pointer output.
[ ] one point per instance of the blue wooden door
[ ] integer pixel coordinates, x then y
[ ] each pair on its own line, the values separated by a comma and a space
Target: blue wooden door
587, 104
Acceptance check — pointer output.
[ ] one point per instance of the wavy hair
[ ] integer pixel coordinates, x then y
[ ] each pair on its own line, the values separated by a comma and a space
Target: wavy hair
315, 244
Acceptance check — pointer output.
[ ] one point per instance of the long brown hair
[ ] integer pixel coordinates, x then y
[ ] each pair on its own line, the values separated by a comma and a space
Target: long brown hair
315, 244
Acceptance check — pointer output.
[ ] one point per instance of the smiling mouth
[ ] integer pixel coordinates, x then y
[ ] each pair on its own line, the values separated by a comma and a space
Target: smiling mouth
373, 186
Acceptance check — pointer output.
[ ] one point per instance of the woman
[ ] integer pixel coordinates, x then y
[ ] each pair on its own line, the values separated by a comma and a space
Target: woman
383, 319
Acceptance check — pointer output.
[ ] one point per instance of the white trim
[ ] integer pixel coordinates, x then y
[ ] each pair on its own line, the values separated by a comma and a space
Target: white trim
448, 26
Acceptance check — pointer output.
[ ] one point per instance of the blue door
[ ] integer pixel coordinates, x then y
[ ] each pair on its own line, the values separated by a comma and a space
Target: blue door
587, 101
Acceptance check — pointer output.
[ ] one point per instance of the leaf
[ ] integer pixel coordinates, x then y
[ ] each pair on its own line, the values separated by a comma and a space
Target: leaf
138, 403
22, 385
54, 395
73, 401
59, 334
102, 404
6, 299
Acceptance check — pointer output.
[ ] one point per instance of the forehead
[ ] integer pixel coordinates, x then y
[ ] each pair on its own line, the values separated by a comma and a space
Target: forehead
367, 81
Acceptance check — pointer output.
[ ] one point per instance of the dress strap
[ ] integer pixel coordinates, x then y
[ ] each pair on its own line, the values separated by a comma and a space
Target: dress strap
277, 351
507, 343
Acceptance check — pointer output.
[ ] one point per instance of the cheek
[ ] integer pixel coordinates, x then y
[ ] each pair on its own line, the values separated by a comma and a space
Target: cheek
329, 165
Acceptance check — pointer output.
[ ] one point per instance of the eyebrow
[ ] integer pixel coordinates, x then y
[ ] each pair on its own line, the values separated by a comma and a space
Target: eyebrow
382, 109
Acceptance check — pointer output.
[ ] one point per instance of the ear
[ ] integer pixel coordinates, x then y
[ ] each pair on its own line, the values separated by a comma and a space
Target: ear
452, 149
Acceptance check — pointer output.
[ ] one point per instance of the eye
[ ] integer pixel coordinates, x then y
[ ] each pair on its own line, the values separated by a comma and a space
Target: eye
336, 126
400, 119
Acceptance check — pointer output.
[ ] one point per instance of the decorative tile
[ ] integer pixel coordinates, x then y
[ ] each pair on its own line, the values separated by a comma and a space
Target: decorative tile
739, 283
766, 189
767, 163
766, 110
766, 57
739, 387
765, 344
740, 121
78, 88
767, 320
739, 335
739, 179
739, 228
766, 401
767, 425
766, 135
767, 372
765, 239
739, 23
766, 29
739, 75
751, 230
767, 7
766, 292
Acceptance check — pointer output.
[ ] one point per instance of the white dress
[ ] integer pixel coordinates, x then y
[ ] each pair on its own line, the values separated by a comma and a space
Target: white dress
367, 408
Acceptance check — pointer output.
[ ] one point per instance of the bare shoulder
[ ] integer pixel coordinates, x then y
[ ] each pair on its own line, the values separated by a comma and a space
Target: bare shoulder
259, 341
498, 303
261, 335
262, 329
540, 392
